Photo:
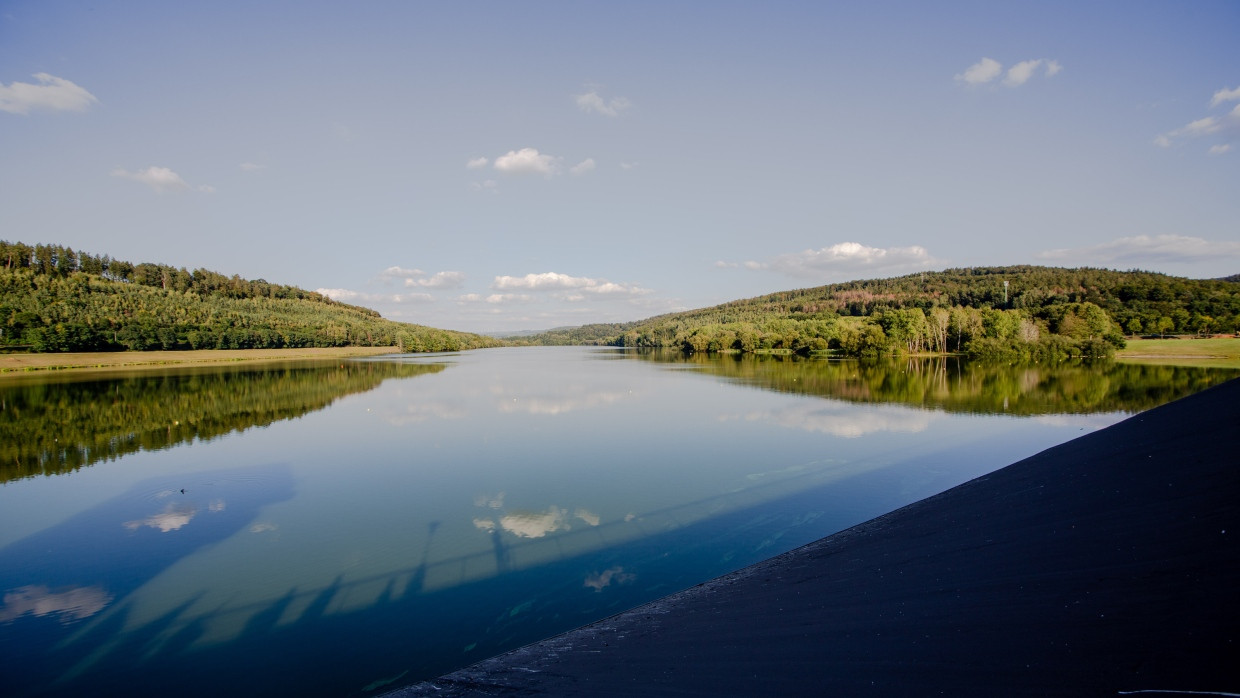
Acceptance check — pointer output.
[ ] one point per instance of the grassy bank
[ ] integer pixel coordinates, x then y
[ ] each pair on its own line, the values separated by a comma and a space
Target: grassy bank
1219, 352
18, 364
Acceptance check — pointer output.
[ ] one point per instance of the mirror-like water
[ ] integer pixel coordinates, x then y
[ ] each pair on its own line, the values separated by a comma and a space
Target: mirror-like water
341, 529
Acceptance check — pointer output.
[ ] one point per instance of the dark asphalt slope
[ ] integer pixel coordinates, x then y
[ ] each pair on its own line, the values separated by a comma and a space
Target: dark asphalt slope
1107, 565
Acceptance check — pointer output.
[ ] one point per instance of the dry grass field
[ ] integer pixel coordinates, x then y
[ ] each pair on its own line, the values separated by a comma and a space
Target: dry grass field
19, 364
1222, 352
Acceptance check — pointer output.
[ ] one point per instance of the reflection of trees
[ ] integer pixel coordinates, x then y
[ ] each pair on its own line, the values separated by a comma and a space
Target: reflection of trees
956, 385
55, 427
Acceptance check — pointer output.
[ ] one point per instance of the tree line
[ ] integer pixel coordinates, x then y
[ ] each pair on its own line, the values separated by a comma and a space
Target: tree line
53, 298
1015, 312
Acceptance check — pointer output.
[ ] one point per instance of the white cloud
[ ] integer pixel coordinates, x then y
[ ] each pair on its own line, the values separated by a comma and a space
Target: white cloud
726, 265
161, 179
407, 298
508, 298
987, 69
552, 281
1220, 149
1145, 251
345, 295
400, 273
477, 163
1020, 73
1200, 127
252, 167
582, 167
442, 279
1225, 95
628, 165
527, 161
592, 102
496, 299
1226, 126
51, 94
981, 72
849, 258
484, 185
205, 188
416, 278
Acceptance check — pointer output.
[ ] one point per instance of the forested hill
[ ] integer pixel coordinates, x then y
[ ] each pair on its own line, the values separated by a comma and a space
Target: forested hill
1039, 310
55, 299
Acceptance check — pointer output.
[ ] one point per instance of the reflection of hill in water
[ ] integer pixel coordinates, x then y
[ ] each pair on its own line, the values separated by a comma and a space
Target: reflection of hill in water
54, 427
955, 385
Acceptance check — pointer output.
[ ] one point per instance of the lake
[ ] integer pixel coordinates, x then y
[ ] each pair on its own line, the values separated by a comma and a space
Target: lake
346, 527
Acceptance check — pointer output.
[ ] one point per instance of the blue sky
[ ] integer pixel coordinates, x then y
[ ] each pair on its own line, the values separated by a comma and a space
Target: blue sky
507, 166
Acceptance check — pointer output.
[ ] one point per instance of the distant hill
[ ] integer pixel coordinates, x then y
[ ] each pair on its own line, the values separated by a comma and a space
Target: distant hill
1026, 310
55, 299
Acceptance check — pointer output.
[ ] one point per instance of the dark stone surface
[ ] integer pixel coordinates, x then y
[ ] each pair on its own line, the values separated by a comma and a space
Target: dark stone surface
1103, 566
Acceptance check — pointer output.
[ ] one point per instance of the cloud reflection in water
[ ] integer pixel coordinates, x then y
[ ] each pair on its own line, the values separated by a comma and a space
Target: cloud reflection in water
844, 421
535, 525
172, 518
569, 399
614, 575
71, 604
419, 412
531, 524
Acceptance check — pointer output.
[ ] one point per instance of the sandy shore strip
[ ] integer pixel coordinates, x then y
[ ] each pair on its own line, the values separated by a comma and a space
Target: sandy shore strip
11, 364
1104, 566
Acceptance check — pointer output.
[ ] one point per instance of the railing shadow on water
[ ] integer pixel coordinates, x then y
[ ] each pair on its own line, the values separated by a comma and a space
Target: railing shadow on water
426, 618
66, 580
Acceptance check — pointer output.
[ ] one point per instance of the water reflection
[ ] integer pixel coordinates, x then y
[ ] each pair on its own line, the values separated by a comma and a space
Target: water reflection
957, 385
62, 423
571, 399
613, 575
68, 590
173, 518
526, 524
68, 605
522, 493
841, 420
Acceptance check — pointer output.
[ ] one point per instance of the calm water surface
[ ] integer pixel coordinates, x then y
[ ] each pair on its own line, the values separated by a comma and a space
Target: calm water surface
346, 528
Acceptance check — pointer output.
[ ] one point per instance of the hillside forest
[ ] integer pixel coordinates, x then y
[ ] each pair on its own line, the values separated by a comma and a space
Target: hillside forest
1018, 312
54, 299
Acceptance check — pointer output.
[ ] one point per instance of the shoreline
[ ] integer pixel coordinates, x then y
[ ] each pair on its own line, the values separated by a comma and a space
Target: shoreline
24, 364
1102, 566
